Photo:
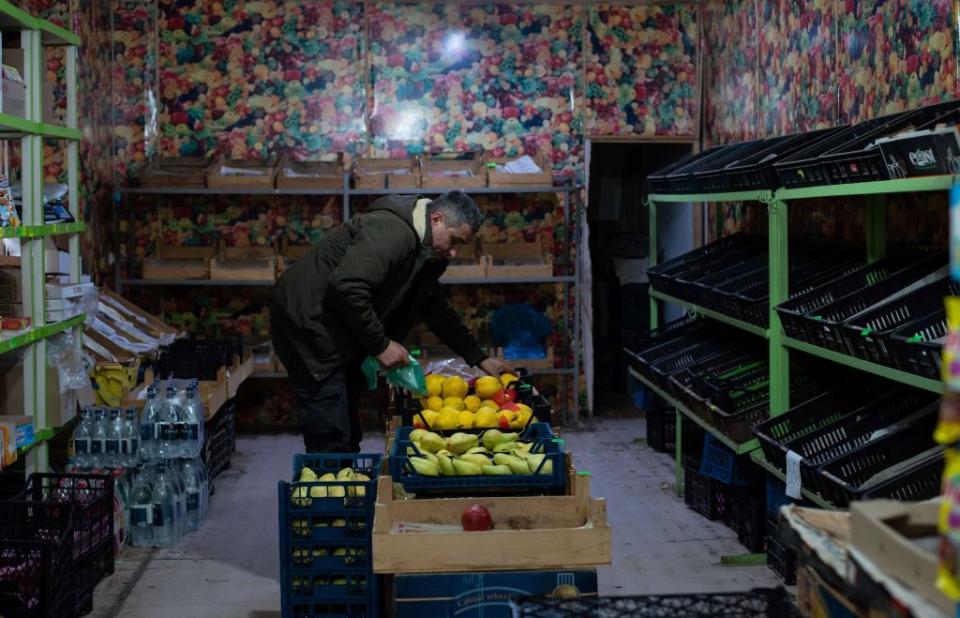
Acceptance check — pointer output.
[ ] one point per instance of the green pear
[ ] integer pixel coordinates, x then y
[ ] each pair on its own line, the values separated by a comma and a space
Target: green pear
299, 497
337, 491
416, 434
446, 466
505, 447
516, 465
318, 491
431, 442
424, 466
534, 461
466, 468
345, 475
459, 443
431, 458
478, 449
496, 470
327, 478
476, 459
307, 475
491, 438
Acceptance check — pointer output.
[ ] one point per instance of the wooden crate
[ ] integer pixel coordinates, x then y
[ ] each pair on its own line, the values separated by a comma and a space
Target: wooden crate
265, 171
238, 374
247, 270
469, 263
213, 393
527, 259
531, 363
326, 173
443, 170
369, 173
178, 263
530, 532
503, 179
181, 172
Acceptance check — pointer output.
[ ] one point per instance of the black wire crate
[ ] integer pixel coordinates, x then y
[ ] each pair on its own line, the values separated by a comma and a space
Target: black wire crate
662, 370
866, 333
883, 462
690, 178
917, 346
661, 427
805, 168
780, 558
757, 603
657, 182
662, 275
715, 177
702, 494
800, 316
757, 172
199, 358
650, 341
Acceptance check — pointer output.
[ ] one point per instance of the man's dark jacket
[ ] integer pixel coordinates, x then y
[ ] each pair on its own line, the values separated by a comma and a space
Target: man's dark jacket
368, 281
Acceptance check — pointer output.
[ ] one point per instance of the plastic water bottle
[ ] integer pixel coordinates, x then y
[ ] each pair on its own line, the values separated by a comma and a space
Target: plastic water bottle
164, 508
141, 510
98, 438
204, 487
148, 426
181, 494
169, 425
113, 439
130, 445
193, 491
191, 418
81, 440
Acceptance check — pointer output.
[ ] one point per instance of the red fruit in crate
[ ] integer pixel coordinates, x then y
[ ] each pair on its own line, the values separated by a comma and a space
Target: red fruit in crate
418, 423
510, 407
504, 421
505, 396
472, 384
476, 518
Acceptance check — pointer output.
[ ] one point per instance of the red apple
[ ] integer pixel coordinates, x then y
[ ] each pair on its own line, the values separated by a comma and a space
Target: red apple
505, 396
476, 518
510, 406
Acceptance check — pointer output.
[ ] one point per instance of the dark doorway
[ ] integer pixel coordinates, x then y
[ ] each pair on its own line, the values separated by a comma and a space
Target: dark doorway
619, 244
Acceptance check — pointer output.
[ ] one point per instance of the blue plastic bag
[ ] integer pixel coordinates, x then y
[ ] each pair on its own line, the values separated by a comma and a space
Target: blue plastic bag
520, 330
409, 377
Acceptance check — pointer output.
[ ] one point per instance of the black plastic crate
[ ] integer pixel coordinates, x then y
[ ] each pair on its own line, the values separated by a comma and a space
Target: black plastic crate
757, 172
705, 288
220, 439
796, 314
36, 556
738, 423
199, 358
917, 346
842, 480
866, 332
661, 428
714, 178
831, 333
939, 142
757, 603
654, 339
686, 180
657, 182
662, 275
685, 281
660, 372
750, 512
780, 558
703, 494
805, 168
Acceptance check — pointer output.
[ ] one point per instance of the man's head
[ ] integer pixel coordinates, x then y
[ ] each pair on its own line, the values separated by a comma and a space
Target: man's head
454, 220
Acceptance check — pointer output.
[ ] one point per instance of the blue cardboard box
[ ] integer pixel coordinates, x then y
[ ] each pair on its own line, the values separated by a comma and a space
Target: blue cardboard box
483, 595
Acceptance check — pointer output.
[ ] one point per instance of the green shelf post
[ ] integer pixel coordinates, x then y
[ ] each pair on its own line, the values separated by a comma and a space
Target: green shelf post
678, 453
652, 232
876, 228
779, 292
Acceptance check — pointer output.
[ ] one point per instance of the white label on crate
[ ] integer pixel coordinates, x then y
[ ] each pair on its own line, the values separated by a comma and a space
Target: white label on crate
793, 474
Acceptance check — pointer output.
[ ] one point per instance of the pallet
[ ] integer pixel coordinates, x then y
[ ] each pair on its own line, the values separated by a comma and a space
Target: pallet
549, 532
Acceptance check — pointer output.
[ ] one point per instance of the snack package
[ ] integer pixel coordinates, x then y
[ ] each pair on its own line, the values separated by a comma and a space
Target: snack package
948, 427
948, 572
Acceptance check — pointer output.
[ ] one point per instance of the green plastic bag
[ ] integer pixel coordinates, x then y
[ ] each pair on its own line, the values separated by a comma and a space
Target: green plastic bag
409, 377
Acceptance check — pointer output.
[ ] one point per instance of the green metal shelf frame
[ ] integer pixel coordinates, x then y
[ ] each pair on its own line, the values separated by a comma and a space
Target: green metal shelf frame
40, 231
745, 326
779, 344
760, 459
44, 435
39, 333
14, 18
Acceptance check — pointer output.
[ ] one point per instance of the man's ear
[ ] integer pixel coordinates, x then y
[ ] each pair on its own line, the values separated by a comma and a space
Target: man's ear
436, 218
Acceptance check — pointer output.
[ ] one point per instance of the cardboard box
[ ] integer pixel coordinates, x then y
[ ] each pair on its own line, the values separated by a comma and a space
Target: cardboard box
817, 598
61, 406
23, 425
500, 178
482, 595
886, 532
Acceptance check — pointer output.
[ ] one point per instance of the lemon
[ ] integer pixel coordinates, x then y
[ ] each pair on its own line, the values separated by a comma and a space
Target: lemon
434, 403
434, 384
448, 418
488, 403
431, 417
487, 387
507, 378
486, 418
472, 403
453, 402
454, 386
466, 419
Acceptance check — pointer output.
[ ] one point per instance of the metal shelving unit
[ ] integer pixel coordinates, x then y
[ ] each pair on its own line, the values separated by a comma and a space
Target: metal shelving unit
570, 283
779, 344
31, 131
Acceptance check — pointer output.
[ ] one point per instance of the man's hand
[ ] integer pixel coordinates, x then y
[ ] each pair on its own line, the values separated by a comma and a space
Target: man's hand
495, 366
394, 356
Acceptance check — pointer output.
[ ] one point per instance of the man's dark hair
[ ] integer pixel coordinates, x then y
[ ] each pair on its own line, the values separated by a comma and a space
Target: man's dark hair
458, 208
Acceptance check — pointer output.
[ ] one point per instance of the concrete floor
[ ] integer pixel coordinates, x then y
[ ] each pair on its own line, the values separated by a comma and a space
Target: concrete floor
229, 568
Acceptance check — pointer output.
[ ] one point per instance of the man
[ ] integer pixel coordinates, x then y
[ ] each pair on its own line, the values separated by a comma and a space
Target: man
356, 294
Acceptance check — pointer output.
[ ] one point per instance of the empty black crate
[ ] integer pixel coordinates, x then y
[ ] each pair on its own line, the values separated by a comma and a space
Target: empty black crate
781, 559
199, 358
749, 507
702, 494
661, 427
917, 346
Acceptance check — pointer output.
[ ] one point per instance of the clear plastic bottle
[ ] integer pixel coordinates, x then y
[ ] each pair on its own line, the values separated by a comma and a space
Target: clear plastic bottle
163, 500
98, 438
169, 425
148, 425
130, 446
141, 510
204, 488
112, 440
193, 490
81, 440
192, 419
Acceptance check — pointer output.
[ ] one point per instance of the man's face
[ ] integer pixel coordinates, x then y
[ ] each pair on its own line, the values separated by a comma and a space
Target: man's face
447, 240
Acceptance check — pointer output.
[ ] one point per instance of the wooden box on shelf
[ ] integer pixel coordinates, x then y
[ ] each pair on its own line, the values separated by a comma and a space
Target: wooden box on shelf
497, 177
395, 173
242, 173
290, 253
531, 363
244, 263
323, 173
176, 172
213, 393
173, 262
520, 260
469, 263
453, 170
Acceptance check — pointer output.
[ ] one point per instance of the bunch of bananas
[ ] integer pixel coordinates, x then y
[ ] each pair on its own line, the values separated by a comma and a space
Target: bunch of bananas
112, 380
